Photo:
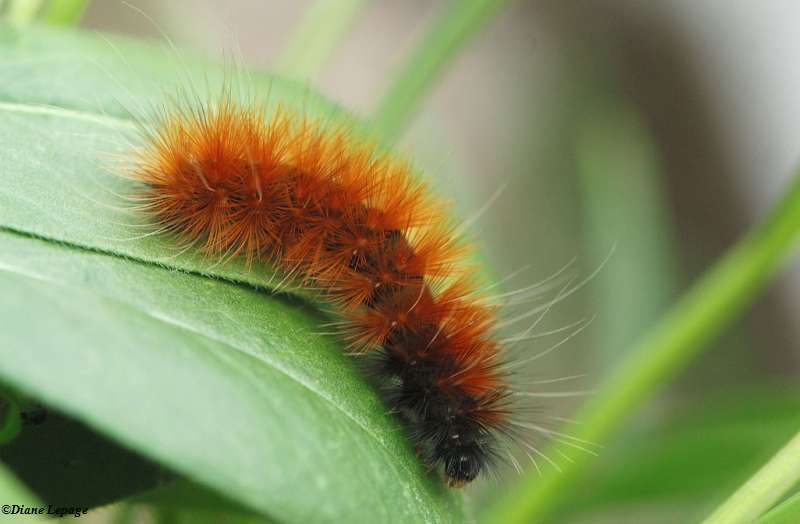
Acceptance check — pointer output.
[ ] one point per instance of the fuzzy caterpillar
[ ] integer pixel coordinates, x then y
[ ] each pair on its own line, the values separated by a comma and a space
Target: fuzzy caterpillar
332, 213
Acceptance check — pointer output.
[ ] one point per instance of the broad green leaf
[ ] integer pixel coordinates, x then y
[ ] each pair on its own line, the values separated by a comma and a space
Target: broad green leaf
175, 356
66, 106
224, 384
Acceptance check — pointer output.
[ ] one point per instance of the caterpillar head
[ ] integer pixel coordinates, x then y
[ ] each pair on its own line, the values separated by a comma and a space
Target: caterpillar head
464, 451
462, 465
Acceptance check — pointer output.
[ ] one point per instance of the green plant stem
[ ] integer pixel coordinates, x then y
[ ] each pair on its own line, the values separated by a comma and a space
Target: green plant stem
763, 489
324, 25
65, 12
787, 512
461, 20
22, 12
711, 304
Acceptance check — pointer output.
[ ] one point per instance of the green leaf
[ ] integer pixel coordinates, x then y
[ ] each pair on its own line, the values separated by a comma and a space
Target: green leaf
702, 313
14, 496
623, 205
66, 464
190, 503
762, 490
451, 31
324, 25
10, 422
182, 494
12, 490
23, 12
65, 116
65, 12
695, 456
184, 360
787, 512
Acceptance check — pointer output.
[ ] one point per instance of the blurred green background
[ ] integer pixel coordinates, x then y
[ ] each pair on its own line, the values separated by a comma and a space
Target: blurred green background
658, 130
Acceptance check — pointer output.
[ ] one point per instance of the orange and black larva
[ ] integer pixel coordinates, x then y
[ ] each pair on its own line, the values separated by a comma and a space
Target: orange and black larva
330, 212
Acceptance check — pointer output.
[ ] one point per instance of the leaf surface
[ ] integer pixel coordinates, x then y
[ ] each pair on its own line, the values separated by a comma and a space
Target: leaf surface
185, 360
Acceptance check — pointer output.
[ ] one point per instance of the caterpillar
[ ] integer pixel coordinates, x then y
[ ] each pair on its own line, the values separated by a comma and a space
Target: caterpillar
335, 213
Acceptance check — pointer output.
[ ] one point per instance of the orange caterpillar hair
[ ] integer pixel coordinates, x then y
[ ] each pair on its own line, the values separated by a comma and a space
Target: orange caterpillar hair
334, 214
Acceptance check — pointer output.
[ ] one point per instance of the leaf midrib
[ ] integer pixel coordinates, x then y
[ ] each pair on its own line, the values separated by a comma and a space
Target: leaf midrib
120, 123
87, 116
65, 112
